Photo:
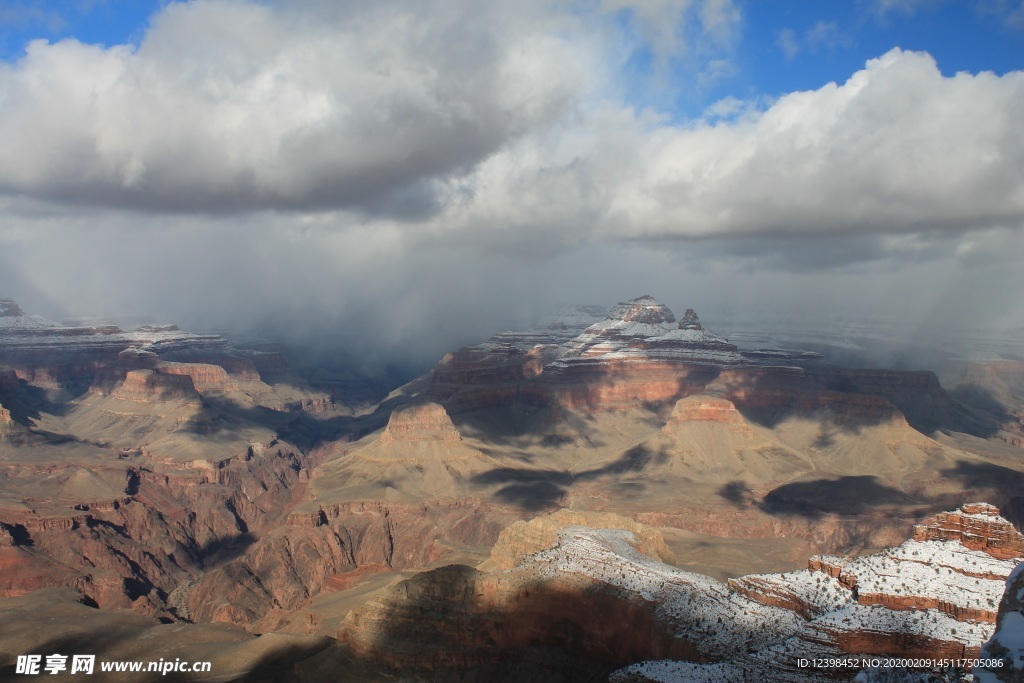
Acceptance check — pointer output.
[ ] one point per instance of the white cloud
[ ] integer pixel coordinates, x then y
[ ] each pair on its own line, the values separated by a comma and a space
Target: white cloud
786, 41
1009, 12
228, 106
898, 148
883, 8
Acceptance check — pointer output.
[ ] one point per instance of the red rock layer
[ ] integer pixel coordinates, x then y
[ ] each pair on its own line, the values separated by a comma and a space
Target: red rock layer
901, 645
136, 549
617, 384
487, 377
977, 527
421, 422
147, 386
287, 567
204, 377
773, 594
903, 602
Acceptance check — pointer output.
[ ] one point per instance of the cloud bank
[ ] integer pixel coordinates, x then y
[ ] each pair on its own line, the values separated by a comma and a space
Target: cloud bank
440, 163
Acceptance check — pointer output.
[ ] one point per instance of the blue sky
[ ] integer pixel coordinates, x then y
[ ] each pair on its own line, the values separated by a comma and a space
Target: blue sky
776, 46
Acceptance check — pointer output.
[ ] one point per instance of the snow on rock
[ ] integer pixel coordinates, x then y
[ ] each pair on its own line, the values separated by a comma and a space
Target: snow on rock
926, 599
1004, 652
9, 309
701, 609
558, 327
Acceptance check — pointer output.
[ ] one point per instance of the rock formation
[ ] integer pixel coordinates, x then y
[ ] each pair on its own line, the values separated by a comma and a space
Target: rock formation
420, 422
923, 599
145, 386
977, 526
525, 538
931, 597
192, 477
1004, 652
10, 309
640, 355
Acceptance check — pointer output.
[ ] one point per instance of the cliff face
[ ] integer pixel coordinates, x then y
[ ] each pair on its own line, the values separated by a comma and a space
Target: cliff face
147, 386
422, 422
977, 526
315, 551
1005, 649
638, 355
152, 532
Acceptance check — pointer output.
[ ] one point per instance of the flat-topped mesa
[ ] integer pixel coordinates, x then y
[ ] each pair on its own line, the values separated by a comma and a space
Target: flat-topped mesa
147, 386
420, 422
643, 309
977, 526
637, 318
705, 408
10, 309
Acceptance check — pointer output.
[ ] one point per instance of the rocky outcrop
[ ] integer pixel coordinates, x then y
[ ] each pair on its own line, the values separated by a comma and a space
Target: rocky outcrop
205, 377
420, 422
589, 580
704, 408
317, 549
643, 328
10, 309
155, 533
1003, 654
5, 418
525, 538
148, 386
640, 356
977, 526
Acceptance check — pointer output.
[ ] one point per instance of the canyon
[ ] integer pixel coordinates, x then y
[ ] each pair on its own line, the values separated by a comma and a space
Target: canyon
617, 462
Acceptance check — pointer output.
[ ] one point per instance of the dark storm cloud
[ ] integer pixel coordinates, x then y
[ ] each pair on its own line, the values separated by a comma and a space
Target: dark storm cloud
404, 177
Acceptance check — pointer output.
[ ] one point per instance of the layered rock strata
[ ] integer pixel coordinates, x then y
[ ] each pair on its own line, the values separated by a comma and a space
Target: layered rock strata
939, 601
927, 598
420, 422
641, 355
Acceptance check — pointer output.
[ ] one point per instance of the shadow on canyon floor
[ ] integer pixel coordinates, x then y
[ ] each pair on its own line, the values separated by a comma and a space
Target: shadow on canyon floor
859, 495
531, 490
535, 490
850, 495
456, 623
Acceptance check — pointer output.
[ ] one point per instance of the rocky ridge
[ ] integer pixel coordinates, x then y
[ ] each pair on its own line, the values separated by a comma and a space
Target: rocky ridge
1005, 649
640, 354
926, 598
923, 599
